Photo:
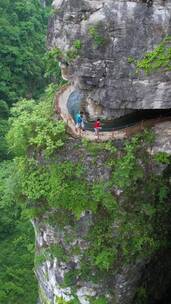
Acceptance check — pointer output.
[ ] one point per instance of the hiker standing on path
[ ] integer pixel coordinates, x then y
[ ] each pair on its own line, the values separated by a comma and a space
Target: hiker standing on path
97, 127
79, 123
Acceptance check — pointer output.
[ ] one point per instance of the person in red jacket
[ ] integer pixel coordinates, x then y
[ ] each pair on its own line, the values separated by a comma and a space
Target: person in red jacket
97, 127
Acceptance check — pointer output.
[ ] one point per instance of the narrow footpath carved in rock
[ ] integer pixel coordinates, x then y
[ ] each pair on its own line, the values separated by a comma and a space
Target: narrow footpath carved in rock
120, 131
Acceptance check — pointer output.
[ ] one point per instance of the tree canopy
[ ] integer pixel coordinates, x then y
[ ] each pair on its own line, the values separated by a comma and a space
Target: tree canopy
23, 25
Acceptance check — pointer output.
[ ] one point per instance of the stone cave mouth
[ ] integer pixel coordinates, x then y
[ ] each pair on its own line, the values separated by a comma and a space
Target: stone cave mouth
74, 104
130, 119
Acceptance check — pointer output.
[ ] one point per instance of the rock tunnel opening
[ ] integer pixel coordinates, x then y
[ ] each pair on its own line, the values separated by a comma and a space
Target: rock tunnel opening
74, 105
131, 119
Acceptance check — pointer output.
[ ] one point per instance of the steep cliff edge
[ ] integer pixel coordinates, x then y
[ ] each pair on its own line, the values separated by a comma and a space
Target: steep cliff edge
103, 233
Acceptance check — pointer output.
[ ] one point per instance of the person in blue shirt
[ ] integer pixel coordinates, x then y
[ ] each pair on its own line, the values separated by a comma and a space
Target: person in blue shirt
79, 122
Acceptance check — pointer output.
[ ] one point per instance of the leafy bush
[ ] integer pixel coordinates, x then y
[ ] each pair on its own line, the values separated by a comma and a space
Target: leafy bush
162, 157
17, 281
53, 71
33, 126
159, 58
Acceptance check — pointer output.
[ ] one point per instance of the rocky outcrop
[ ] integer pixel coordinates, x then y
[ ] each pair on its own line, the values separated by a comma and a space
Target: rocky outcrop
109, 34
61, 241
97, 38
163, 138
51, 272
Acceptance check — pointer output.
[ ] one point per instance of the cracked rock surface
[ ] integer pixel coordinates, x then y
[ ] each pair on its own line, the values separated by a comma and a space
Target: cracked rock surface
123, 29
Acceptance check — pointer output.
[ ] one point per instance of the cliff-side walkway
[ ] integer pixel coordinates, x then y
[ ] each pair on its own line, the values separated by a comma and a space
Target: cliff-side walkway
61, 108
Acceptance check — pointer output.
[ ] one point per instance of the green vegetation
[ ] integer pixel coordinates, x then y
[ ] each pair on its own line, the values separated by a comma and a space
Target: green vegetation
62, 301
54, 250
71, 55
17, 282
53, 71
4, 109
130, 211
22, 46
33, 126
96, 35
162, 157
3, 145
43, 297
23, 26
34, 132
41, 257
158, 59
74, 51
100, 300
4, 114
144, 195
131, 59
53, 57
95, 148
77, 44
126, 227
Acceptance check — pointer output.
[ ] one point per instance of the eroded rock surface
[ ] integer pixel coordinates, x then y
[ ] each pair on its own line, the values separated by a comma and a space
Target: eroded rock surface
59, 229
163, 138
122, 29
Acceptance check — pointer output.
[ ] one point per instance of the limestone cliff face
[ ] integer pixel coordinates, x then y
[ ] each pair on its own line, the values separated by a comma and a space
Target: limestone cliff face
110, 32
107, 34
61, 242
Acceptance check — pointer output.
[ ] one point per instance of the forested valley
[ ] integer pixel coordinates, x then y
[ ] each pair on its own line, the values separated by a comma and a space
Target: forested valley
23, 30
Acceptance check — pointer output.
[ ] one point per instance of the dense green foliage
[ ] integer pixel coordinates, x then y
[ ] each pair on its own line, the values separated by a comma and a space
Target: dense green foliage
3, 144
17, 282
4, 113
158, 59
139, 213
52, 57
53, 71
33, 126
23, 27
30, 133
126, 226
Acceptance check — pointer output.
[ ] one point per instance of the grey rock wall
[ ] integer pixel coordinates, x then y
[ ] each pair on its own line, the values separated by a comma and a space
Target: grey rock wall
102, 72
106, 79
119, 286
51, 272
